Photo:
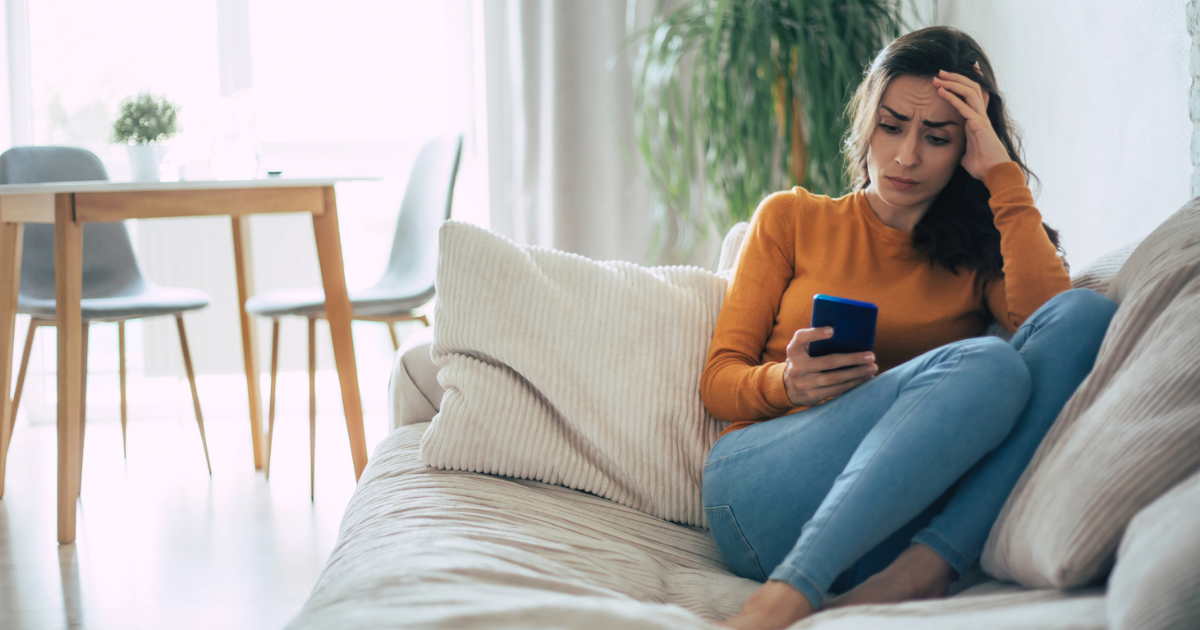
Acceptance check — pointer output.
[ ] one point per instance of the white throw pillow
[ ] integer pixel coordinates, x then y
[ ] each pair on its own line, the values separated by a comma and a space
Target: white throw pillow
574, 372
1156, 583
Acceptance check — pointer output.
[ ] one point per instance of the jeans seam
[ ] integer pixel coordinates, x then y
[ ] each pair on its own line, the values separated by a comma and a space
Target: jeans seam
1033, 330
797, 575
838, 507
959, 556
738, 530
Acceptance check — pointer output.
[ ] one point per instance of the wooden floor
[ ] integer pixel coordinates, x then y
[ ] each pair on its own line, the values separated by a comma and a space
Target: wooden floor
160, 543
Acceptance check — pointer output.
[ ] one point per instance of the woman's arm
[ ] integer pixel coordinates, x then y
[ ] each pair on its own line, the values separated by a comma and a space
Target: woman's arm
1033, 272
734, 386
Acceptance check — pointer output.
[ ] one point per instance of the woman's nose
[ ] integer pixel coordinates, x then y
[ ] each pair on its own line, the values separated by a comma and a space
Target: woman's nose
907, 155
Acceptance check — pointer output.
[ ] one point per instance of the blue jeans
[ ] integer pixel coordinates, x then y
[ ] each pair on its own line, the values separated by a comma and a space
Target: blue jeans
926, 452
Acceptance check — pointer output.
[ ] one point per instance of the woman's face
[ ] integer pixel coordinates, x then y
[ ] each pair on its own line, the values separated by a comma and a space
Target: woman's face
919, 137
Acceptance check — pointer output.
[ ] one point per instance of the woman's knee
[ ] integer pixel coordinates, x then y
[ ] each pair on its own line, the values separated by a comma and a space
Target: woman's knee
998, 362
1084, 310
1003, 381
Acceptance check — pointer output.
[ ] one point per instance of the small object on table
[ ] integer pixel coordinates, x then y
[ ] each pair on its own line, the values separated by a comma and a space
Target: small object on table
274, 173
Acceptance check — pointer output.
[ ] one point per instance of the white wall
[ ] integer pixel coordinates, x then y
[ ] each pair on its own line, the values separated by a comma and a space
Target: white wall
1100, 91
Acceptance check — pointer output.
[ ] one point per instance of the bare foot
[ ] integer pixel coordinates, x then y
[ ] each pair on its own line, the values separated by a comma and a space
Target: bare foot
918, 573
776, 604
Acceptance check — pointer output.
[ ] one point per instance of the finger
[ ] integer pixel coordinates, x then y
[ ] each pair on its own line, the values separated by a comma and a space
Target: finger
959, 78
828, 379
822, 393
962, 106
801, 338
835, 361
969, 93
970, 83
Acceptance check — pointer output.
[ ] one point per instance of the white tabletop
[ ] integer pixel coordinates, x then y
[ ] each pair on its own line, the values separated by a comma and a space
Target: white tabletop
199, 184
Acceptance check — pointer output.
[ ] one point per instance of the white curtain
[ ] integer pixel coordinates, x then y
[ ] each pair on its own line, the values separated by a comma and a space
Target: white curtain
563, 167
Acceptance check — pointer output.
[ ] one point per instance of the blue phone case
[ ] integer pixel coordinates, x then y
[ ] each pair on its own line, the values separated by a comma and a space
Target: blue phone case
853, 325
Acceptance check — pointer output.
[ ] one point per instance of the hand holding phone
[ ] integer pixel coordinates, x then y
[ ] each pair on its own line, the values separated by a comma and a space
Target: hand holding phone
811, 378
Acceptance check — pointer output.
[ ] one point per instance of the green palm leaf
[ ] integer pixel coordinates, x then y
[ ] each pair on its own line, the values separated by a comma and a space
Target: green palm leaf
718, 85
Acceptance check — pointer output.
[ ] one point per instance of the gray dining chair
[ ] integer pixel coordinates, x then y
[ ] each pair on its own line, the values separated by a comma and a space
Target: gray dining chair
406, 283
114, 288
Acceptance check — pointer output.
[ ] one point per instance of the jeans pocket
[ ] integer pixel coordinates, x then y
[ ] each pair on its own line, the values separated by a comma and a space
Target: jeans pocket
733, 545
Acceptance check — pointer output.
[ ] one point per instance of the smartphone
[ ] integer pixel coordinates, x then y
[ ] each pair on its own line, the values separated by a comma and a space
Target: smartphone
853, 325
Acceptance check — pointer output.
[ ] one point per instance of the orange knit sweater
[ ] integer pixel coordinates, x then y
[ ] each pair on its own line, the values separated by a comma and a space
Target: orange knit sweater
800, 244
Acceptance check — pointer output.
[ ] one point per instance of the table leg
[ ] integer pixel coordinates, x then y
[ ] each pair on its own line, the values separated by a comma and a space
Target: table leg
339, 312
68, 268
245, 286
83, 356
11, 239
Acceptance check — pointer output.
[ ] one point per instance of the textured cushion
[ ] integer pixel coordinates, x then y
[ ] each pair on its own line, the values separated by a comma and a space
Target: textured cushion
414, 394
1098, 275
1156, 583
1128, 433
574, 372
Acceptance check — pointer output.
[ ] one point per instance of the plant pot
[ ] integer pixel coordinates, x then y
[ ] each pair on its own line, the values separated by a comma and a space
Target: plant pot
144, 161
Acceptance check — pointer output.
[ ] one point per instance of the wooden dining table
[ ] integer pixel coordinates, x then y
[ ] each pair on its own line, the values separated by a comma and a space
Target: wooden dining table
68, 205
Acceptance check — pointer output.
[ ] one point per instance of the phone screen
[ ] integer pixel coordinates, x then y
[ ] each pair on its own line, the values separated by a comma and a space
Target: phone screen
853, 325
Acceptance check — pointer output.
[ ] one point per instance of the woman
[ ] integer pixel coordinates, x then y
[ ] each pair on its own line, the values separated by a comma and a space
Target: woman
882, 480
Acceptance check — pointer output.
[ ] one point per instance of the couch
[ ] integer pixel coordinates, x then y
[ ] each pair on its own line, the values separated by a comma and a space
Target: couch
426, 546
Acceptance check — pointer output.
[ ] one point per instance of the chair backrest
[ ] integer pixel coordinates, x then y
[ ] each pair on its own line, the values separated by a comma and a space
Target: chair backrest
109, 265
427, 200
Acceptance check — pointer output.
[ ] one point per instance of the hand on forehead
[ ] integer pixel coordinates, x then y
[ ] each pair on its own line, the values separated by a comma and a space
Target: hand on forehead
916, 98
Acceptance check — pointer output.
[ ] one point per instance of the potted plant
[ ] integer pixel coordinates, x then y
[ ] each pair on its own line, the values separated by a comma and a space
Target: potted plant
736, 99
143, 122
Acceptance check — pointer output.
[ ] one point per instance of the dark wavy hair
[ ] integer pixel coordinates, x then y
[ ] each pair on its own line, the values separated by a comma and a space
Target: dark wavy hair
958, 230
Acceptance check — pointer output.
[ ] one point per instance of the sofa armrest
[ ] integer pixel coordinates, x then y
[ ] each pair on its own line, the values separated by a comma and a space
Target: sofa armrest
414, 394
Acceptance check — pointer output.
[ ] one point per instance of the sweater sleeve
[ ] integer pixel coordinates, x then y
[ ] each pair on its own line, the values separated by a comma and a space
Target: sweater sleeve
1033, 271
734, 386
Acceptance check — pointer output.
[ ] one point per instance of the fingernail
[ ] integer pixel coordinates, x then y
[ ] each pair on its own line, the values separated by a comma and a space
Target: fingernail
870, 357
828, 330
872, 369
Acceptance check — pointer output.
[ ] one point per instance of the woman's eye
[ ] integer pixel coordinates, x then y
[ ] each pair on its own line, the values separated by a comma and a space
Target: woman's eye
889, 128
937, 142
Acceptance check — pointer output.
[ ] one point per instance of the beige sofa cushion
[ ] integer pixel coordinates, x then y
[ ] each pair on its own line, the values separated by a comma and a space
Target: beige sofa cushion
572, 371
414, 394
1156, 582
1127, 434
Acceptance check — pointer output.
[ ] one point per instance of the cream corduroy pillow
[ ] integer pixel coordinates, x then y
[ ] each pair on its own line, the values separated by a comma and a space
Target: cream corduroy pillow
1130, 431
573, 372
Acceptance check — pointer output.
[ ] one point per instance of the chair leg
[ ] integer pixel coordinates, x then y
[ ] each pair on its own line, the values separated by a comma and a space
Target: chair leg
16, 399
187, 363
424, 320
124, 409
271, 404
392, 329
312, 408
82, 406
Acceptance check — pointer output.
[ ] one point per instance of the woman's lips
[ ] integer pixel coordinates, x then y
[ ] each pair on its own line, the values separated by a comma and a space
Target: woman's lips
900, 184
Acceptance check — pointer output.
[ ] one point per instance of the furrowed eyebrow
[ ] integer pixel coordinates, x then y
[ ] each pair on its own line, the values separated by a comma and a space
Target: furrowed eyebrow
927, 123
